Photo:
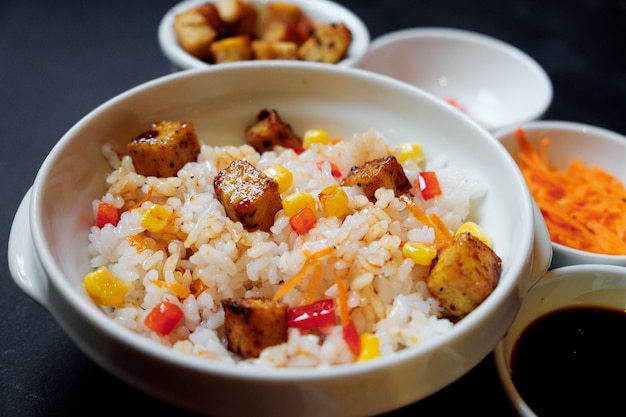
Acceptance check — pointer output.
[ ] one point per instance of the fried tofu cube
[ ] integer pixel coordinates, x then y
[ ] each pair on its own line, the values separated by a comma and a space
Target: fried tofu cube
197, 28
239, 17
382, 172
233, 49
269, 131
329, 43
285, 22
464, 274
248, 195
252, 324
164, 149
274, 50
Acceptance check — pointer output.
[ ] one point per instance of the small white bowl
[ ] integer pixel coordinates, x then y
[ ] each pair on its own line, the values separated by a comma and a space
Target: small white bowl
568, 141
319, 10
570, 286
495, 83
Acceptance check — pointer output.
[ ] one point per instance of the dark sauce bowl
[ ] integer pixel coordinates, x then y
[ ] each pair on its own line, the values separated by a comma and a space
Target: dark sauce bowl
567, 335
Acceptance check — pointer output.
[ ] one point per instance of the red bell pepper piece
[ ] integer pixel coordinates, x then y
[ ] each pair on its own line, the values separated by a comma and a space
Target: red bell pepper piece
352, 338
303, 220
429, 184
107, 213
334, 168
318, 314
164, 318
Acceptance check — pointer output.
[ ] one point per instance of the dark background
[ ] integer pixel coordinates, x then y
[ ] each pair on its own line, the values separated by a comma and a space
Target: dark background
61, 59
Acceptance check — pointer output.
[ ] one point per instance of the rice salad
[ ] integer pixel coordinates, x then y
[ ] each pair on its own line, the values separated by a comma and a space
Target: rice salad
203, 256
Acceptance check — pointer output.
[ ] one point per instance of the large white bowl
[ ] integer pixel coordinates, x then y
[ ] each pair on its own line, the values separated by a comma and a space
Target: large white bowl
319, 10
48, 243
570, 140
494, 82
569, 286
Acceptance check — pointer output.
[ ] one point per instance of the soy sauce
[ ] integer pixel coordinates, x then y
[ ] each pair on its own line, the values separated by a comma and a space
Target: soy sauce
572, 362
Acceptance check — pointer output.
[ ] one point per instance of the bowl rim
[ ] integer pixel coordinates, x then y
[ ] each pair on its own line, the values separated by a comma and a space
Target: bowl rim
587, 129
186, 361
479, 39
183, 60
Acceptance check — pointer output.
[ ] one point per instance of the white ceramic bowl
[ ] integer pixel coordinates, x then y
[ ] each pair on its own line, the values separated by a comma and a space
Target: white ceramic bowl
495, 83
569, 286
48, 254
569, 140
319, 10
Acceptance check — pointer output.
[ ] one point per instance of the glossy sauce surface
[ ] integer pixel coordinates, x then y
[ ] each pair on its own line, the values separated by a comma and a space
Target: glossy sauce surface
573, 362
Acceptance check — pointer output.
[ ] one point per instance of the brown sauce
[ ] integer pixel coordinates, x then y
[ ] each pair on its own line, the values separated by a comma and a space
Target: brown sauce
572, 362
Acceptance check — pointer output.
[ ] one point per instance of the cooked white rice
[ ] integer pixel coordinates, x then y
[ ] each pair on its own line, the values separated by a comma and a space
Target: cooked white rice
387, 294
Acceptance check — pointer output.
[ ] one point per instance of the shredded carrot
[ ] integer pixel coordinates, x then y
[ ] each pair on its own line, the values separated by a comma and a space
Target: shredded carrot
310, 294
344, 314
137, 242
311, 261
583, 207
443, 236
143, 200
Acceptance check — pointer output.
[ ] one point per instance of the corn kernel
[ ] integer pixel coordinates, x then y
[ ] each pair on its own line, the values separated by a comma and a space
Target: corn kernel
105, 288
411, 151
312, 136
420, 253
180, 290
295, 202
334, 201
476, 231
370, 347
157, 218
281, 175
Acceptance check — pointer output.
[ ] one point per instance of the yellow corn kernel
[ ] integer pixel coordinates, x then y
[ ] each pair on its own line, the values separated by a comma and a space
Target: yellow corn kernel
157, 218
420, 253
295, 202
410, 151
370, 347
334, 200
476, 231
312, 136
281, 175
105, 288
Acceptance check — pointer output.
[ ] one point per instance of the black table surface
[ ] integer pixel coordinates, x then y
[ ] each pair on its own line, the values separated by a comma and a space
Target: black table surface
61, 59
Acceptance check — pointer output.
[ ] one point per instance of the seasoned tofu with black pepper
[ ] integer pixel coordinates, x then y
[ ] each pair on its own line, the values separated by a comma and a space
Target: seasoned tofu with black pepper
164, 149
329, 43
248, 195
269, 131
262, 50
232, 49
239, 17
197, 28
285, 22
252, 324
464, 274
382, 172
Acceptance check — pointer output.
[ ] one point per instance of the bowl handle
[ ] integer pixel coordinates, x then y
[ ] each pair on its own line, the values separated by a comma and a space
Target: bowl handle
24, 264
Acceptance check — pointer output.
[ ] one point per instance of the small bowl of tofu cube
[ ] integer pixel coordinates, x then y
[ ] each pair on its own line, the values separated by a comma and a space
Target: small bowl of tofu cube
199, 33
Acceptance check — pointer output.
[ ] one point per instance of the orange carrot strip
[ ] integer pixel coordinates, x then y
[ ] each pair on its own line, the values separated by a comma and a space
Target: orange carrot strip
310, 294
443, 236
583, 207
344, 314
143, 200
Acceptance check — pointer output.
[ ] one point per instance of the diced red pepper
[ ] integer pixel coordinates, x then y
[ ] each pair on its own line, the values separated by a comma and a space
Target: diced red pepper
299, 150
319, 314
429, 185
334, 168
107, 213
164, 318
303, 220
352, 338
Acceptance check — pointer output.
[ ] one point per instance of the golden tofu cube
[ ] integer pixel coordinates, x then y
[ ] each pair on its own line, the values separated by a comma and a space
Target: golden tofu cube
164, 149
329, 43
233, 49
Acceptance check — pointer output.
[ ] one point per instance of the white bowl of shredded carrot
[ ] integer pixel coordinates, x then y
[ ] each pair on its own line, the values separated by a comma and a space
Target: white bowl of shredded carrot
576, 175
